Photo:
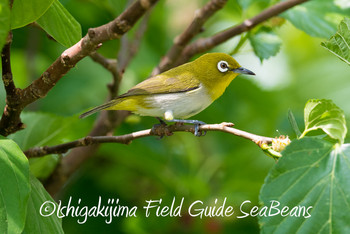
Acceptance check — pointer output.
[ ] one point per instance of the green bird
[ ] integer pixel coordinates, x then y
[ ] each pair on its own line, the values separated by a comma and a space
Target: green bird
181, 92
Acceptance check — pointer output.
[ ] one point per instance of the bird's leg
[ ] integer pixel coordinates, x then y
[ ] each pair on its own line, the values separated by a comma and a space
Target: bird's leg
196, 125
169, 116
161, 121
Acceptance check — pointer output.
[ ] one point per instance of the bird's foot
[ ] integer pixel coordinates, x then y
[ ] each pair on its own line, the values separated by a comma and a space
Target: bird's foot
196, 123
161, 129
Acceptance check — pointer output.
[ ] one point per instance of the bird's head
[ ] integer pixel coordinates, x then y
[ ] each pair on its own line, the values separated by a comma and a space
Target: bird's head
217, 70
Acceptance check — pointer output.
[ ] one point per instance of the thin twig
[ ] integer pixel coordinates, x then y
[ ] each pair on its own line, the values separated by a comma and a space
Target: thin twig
195, 27
111, 66
205, 44
106, 122
117, 67
158, 130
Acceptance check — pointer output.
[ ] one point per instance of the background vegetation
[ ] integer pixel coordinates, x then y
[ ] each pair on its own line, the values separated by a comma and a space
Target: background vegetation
291, 67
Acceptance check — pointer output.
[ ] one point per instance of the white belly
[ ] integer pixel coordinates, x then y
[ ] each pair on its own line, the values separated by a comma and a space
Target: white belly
182, 105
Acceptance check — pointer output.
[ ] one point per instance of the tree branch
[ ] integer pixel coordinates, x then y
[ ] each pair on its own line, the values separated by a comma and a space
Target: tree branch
204, 44
7, 78
111, 66
127, 51
12, 100
201, 16
157, 130
117, 67
70, 57
107, 121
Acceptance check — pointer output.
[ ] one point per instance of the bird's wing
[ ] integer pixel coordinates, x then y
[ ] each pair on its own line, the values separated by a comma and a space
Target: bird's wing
165, 83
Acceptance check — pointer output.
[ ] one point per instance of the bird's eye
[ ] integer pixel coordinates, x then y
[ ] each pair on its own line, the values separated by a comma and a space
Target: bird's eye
223, 66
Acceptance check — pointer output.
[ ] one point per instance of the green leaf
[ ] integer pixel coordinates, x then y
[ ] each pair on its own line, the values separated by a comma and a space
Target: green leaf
37, 221
14, 187
265, 44
46, 129
339, 43
312, 173
4, 21
43, 129
27, 11
61, 25
317, 18
325, 115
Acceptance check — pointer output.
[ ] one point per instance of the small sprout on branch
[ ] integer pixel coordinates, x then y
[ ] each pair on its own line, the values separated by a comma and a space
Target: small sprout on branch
277, 145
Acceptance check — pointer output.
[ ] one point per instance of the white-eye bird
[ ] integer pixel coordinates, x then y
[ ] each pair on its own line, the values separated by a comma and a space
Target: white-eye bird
181, 92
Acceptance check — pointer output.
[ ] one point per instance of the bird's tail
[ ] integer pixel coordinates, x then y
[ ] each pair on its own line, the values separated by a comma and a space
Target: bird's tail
99, 108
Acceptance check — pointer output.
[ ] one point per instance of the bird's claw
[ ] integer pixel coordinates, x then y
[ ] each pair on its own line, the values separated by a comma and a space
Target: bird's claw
161, 130
196, 123
197, 132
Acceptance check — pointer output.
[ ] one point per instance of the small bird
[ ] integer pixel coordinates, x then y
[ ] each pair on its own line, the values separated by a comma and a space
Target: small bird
181, 92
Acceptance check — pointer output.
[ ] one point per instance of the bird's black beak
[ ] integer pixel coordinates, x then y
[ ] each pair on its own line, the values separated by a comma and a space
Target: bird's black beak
243, 70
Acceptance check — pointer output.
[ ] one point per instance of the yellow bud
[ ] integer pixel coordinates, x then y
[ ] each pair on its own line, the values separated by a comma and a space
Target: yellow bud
278, 144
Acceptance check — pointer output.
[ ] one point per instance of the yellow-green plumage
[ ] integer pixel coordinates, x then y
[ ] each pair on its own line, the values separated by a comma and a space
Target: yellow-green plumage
180, 92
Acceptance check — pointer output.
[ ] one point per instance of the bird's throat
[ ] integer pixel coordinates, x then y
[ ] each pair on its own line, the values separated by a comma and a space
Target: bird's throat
218, 88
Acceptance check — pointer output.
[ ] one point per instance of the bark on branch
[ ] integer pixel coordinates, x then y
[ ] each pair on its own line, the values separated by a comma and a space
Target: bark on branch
9, 122
157, 130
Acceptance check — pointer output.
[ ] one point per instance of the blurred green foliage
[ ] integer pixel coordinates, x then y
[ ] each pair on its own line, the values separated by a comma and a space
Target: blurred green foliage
215, 166
4, 20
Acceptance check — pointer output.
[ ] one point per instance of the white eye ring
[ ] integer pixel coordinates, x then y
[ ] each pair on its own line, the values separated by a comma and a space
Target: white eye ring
223, 66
